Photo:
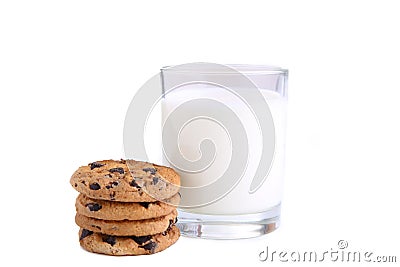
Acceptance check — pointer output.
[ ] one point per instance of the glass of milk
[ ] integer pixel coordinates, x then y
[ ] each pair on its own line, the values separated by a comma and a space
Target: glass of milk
223, 131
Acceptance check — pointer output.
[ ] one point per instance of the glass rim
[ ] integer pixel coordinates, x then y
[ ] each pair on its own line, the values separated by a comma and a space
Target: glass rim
240, 68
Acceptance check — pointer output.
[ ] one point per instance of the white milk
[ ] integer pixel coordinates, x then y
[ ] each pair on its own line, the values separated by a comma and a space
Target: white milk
238, 201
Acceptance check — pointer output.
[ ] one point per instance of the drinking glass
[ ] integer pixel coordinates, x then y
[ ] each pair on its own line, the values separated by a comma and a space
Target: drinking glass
223, 131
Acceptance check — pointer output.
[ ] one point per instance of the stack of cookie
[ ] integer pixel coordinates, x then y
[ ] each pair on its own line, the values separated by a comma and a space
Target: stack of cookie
126, 207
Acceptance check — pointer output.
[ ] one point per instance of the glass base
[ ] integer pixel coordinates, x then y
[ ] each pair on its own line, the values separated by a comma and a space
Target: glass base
228, 226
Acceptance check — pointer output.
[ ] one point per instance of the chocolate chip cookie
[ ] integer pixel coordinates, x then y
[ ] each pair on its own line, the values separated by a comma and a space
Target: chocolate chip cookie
112, 210
127, 245
126, 181
127, 227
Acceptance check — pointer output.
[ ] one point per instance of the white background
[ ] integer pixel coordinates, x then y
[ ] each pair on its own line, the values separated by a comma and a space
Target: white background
69, 69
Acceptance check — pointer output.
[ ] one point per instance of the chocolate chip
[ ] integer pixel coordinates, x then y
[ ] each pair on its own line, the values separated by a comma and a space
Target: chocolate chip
94, 186
141, 239
109, 239
76, 184
112, 184
122, 161
144, 204
166, 231
151, 170
93, 206
119, 170
134, 184
85, 233
83, 182
155, 180
171, 223
150, 246
94, 165
96, 226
